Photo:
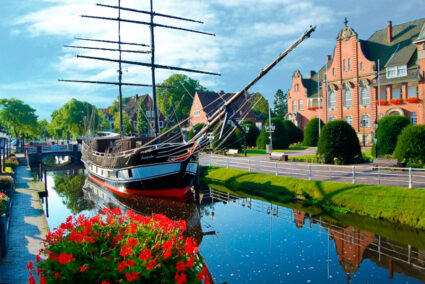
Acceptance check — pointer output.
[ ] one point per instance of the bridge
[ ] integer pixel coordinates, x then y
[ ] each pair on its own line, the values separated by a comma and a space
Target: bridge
36, 153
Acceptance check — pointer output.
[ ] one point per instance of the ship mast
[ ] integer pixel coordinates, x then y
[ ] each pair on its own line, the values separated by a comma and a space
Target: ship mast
120, 71
155, 104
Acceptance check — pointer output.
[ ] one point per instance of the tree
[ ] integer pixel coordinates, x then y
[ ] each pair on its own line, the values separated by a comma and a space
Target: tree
251, 134
311, 132
142, 120
195, 129
229, 140
389, 128
295, 133
411, 146
280, 104
126, 123
180, 97
261, 109
338, 143
43, 129
280, 136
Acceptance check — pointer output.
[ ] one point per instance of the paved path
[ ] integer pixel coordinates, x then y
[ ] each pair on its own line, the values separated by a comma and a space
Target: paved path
28, 227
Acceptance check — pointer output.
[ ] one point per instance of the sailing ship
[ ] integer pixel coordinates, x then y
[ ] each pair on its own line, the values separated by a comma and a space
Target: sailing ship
139, 166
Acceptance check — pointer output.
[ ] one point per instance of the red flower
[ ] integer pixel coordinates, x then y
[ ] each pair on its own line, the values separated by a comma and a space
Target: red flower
190, 246
105, 282
31, 280
132, 276
126, 251
122, 266
37, 259
117, 211
30, 265
190, 263
167, 245
130, 213
151, 265
65, 258
167, 254
145, 254
83, 268
180, 266
57, 275
180, 278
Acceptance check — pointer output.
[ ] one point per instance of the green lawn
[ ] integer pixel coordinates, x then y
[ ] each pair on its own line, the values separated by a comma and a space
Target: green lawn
395, 204
256, 152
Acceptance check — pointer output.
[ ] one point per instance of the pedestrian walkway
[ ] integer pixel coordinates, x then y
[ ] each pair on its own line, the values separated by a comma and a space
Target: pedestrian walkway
28, 228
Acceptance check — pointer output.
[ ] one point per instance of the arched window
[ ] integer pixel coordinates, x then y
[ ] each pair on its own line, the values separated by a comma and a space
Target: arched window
365, 120
349, 119
349, 64
332, 98
300, 104
294, 106
364, 96
296, 87
348, 98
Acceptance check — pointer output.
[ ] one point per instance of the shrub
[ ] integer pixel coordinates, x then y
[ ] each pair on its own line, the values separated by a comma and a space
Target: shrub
228, 141
411, 146
389, 127
339, 144
3, 199
13, 163
280, 135
311, 132
114, 248
5, 182
195, 129
251, 134
295, 133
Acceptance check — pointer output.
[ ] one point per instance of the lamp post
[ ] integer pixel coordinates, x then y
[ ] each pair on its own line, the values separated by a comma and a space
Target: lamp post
270, 129
376, 138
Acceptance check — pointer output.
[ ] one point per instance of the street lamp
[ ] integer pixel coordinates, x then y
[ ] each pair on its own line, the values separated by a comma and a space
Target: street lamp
376, 138
270, 129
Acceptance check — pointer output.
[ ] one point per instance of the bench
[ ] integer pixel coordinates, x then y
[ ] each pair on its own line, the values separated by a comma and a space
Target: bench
232, 152
279, 156
385, 162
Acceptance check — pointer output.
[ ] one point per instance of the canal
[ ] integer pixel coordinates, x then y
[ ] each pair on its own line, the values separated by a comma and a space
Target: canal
246, 240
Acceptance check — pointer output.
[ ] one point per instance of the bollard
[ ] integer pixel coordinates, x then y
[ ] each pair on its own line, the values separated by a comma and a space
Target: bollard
410, 178
354, 174
275, 165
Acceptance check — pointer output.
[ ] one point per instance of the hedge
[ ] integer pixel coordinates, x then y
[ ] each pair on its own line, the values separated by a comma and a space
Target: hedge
389, 128
280, 135
295, 133
411, 146
311, 132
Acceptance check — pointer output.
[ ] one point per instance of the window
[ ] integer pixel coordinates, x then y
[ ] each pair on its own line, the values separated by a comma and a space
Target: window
331, 118
343, 68
364, 121
161, 124
349, 119
196, 113
413, 118
333, 71
296, 87
412, 92
349, 64
391, 72
402, 70
364, 96
300, 104
396, 93
361, 66
149, 113
332, 99
348, 98
294, 106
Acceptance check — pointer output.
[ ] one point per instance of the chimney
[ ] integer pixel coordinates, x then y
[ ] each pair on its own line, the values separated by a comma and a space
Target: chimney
390, 32
328, 58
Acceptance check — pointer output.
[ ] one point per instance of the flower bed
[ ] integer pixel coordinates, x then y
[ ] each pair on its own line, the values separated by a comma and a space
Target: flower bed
396, 101
115, 248
412, 100
11, 162
8, 171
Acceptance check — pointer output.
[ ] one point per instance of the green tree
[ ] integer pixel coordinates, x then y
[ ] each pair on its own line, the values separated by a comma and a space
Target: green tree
252, 133
295, 133
311, 132
230, 139
19, 117
280, 104
142, 121
69, 188
338, 143
43, 131
180, 97
389, 128
261, 109
280, 135
126, 123
411, 146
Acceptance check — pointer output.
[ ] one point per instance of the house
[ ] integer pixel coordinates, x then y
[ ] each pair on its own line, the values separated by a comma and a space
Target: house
348, 86
206, 103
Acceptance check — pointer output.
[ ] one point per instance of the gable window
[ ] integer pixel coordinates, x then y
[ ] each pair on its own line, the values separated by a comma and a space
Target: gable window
349, 119
391, 72
412, 92
413, 118
349, 64
343, 67
364, 121
300, 104
296, 87
364, 96
361, 66
348, 98
294, 106
401, 70
196, 113
332, 98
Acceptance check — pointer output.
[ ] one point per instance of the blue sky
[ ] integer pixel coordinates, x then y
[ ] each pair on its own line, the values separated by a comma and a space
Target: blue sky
250, 34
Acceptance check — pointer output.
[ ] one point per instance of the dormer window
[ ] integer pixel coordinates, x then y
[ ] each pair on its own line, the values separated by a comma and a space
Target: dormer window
402, 70
296, 87
397, 71
391, 72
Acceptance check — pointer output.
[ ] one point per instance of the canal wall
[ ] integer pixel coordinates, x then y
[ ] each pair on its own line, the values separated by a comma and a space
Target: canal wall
395, 204
28, 227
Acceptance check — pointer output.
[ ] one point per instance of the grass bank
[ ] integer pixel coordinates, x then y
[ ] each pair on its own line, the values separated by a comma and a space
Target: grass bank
395, 204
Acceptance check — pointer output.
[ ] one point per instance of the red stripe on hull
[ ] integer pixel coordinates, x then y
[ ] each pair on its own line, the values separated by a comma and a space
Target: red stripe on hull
124, 192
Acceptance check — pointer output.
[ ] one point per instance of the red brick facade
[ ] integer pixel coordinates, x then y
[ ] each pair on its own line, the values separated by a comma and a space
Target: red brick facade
349, 84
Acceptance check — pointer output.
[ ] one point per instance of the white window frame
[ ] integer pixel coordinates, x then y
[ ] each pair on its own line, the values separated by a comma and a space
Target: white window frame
365, 96
348, 103
401, 70
300, 104
332, 98
294, 106
391, 72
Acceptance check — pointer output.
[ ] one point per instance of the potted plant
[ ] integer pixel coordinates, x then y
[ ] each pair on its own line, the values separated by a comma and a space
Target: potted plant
396, 101
412, 100
112, 247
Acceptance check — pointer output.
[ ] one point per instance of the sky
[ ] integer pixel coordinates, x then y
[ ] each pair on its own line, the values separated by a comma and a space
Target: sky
250, 34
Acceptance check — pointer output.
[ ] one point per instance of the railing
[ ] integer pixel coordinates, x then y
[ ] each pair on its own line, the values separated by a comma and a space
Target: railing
356, 174
50, 148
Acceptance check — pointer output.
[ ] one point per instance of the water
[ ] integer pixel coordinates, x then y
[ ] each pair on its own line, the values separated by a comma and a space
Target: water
252, 241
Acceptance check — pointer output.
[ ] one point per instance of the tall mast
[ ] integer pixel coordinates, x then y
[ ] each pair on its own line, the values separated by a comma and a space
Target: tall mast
155, 103
120, 70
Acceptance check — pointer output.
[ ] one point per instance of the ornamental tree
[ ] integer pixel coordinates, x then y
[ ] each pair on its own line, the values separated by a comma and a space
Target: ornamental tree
389, 128
311, 132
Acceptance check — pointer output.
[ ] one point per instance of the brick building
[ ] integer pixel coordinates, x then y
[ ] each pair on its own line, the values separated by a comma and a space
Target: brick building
205, 104
348, 83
